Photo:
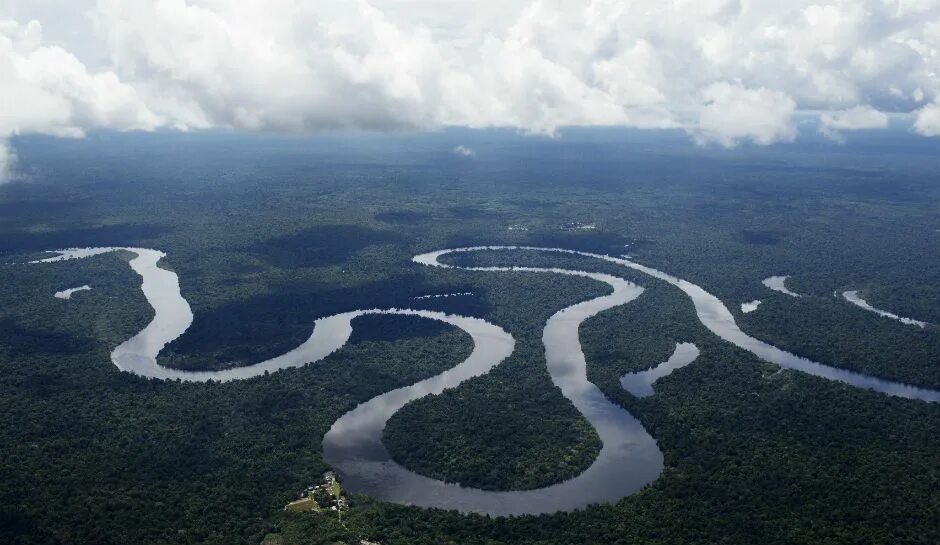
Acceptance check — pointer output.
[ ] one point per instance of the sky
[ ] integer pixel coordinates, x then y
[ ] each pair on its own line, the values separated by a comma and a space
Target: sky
727, 72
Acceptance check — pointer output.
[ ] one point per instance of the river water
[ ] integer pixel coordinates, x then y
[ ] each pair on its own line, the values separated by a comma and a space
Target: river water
854, 298
715, 316
779, 283
640, 383
67, 294
629, 458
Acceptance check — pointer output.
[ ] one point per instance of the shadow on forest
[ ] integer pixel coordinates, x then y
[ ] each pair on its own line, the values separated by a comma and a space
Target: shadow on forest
767, 238
321, 245
270, 324
402, 217
109, 235
17, 340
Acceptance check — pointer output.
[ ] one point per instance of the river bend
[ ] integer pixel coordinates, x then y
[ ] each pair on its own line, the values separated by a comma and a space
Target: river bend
629, 457
715, 316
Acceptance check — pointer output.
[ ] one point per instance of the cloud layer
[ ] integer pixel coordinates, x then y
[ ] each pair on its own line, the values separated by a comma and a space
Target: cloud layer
726, 71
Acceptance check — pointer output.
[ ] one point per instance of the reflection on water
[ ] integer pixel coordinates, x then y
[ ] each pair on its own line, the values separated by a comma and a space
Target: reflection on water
778, 283
640, 384
67, 294
747, 308
629, 458
76, 253
853, 297
718, 319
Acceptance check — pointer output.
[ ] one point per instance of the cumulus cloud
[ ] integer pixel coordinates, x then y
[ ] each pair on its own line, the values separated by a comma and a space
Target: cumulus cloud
732, 113
45, 89
464, 151
7, 161
853, 119
725, 71
277, 64
928, 120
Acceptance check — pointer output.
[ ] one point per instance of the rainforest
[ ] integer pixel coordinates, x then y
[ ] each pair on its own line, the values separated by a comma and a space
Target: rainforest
200, 330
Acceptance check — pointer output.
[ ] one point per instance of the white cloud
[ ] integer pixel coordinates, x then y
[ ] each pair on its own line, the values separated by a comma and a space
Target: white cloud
464, 151
7, 161
853, 119
928, 120
732, 113
726, 71
45, 89
280, 64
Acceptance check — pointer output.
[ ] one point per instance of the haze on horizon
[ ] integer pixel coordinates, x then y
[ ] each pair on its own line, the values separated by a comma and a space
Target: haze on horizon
725, 71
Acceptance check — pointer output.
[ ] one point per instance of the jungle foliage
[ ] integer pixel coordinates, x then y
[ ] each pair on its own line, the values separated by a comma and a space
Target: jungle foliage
268, 234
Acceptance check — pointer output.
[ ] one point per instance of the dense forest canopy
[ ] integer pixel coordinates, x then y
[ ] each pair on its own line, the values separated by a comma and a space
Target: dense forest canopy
268, 234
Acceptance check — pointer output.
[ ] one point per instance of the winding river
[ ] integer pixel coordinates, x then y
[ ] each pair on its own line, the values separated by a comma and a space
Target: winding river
854, 298
779, 283
715, 316
629, 457
640, 384
67, 294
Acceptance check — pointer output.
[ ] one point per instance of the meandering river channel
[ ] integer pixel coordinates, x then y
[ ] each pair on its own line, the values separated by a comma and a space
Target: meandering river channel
629, 458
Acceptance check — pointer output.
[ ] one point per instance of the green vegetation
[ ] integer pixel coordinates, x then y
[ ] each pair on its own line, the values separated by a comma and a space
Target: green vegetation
509, 429
272, 539
748, 452
861, 341
325, 496
268, 234
130, 460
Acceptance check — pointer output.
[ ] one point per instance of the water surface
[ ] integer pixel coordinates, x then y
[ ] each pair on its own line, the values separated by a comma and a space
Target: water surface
640, 383
67, 294
778, 283
629, 458
855, 299
715, 316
